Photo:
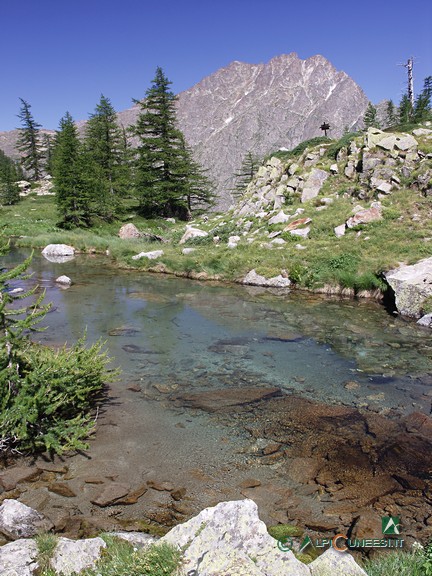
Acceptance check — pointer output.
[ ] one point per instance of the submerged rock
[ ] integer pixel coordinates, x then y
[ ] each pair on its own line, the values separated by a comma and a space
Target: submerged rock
214, 400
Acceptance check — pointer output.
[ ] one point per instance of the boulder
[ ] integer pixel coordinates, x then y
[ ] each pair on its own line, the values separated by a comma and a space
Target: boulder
365, 216
412, 285
187, 251
231, 539
150, 255
296, 223
313, 184
334, 563
73, 556
254, 279
128, 231
340, 230
425, 320
302, 232
64, 280
137, 539
280, 218
19, 558
58, 253
192, 233
20, 521
233, 241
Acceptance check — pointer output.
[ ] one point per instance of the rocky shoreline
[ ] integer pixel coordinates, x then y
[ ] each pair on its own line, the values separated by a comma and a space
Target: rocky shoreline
226, 539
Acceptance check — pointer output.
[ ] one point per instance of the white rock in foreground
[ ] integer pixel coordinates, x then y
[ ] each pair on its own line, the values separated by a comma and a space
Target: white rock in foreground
72, 556
20, 521
19, 558
231, 539
334, 563
192, 233
254, 279
280, 218
150, 255
425, 320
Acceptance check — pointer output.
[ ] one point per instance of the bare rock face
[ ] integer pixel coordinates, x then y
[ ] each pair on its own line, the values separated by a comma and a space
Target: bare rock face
263, 107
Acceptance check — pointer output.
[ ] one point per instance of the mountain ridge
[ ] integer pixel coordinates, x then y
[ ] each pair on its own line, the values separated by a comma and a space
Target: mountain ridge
256, 108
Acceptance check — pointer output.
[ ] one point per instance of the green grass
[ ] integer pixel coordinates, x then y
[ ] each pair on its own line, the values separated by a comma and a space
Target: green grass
121, 559
396, 563
46, 544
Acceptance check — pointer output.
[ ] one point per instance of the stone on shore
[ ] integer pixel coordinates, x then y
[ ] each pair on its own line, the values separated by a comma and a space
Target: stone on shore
412, 285
20, 521
150, 255
254, 279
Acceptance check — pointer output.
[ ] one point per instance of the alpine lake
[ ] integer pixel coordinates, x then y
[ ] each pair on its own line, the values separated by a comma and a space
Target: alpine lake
317, 408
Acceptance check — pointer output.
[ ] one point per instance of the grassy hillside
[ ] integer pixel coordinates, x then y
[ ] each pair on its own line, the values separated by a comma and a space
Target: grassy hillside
353, 261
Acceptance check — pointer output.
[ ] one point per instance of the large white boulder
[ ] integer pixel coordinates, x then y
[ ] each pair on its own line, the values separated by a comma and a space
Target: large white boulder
58, 250
334, 563
231, 539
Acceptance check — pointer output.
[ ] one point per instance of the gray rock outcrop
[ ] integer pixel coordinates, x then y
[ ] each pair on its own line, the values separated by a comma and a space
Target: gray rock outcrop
412, 285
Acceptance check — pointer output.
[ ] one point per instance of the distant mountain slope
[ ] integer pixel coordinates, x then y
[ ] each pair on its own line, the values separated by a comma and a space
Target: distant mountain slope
258, 108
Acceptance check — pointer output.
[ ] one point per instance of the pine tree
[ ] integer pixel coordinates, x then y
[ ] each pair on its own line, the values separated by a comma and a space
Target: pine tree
249, 168
9, 174
199, 187
390, 114
405, 110
29, 142
104, 146
166, 178
422, 106
70, 166
370, 118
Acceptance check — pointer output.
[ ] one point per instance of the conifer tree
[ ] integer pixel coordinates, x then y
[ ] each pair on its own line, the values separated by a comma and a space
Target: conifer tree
69, 168
405, 110
249, 168
390, 114
29, 142
166, 178
370, 118
103, 143
422, 106
9, 174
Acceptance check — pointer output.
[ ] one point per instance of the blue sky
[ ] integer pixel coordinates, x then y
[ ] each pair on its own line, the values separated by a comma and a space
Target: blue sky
62, 54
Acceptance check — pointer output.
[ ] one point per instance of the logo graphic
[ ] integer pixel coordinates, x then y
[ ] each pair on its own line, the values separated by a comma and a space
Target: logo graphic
306, 542
390, 525
285, 544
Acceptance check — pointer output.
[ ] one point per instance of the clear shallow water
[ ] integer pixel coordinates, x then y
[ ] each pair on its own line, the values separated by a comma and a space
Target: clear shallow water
192, 336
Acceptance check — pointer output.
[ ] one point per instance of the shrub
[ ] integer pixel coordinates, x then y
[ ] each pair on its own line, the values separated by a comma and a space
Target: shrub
45, 395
